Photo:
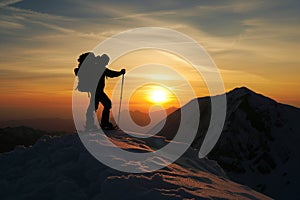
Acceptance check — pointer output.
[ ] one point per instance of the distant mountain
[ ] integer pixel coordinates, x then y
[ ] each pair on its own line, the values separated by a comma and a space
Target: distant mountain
259, 145
61, 168
142, 119
10, 137
46, 124
67, 125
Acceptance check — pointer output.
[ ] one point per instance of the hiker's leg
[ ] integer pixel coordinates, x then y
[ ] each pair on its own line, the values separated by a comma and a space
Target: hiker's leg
105, 101
105, 117
97, 100
90, 112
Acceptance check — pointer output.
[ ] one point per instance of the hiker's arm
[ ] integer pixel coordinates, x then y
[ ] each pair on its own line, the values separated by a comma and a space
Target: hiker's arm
111, 73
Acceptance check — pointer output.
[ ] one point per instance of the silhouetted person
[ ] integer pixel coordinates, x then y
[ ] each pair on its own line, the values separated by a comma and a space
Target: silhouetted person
95, 67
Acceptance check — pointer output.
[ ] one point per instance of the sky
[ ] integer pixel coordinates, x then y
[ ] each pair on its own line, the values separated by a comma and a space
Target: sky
253, 43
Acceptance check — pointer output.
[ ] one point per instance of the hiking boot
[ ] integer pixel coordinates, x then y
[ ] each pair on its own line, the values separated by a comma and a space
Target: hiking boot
108, 126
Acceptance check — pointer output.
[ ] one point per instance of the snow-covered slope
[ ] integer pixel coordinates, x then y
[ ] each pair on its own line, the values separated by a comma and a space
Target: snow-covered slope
259, 145
61, 168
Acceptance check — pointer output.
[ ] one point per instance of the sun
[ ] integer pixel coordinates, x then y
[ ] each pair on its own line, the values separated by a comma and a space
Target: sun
158, 95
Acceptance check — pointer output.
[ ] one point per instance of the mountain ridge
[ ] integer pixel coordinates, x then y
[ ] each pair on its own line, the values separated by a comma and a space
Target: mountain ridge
252, 141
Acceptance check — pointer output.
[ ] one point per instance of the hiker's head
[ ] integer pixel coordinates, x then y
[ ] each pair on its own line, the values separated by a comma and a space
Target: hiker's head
102, 60
105, 59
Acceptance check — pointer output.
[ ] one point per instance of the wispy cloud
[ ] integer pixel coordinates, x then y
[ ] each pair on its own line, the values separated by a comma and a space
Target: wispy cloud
10, 25
256, 38
233, 6
4, 3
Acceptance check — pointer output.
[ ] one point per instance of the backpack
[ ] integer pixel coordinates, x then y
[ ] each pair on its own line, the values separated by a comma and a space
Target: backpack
86, 73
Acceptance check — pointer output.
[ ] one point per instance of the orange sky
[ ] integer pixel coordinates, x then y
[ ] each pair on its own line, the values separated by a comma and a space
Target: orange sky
34, 97
254, 44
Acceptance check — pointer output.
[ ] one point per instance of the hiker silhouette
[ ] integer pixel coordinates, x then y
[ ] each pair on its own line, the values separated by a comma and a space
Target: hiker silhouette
92, 72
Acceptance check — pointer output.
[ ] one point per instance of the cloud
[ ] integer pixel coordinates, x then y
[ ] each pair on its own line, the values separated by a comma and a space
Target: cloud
4, 3
232, 6
7, 74
10, 25
255, 37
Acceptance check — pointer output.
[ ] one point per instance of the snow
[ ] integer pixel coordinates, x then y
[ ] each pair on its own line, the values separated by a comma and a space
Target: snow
61, 168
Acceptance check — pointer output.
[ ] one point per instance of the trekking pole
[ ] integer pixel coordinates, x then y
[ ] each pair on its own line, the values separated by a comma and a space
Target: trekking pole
121, 96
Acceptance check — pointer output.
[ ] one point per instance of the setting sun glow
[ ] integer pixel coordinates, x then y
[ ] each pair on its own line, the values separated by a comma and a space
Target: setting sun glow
158, 95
